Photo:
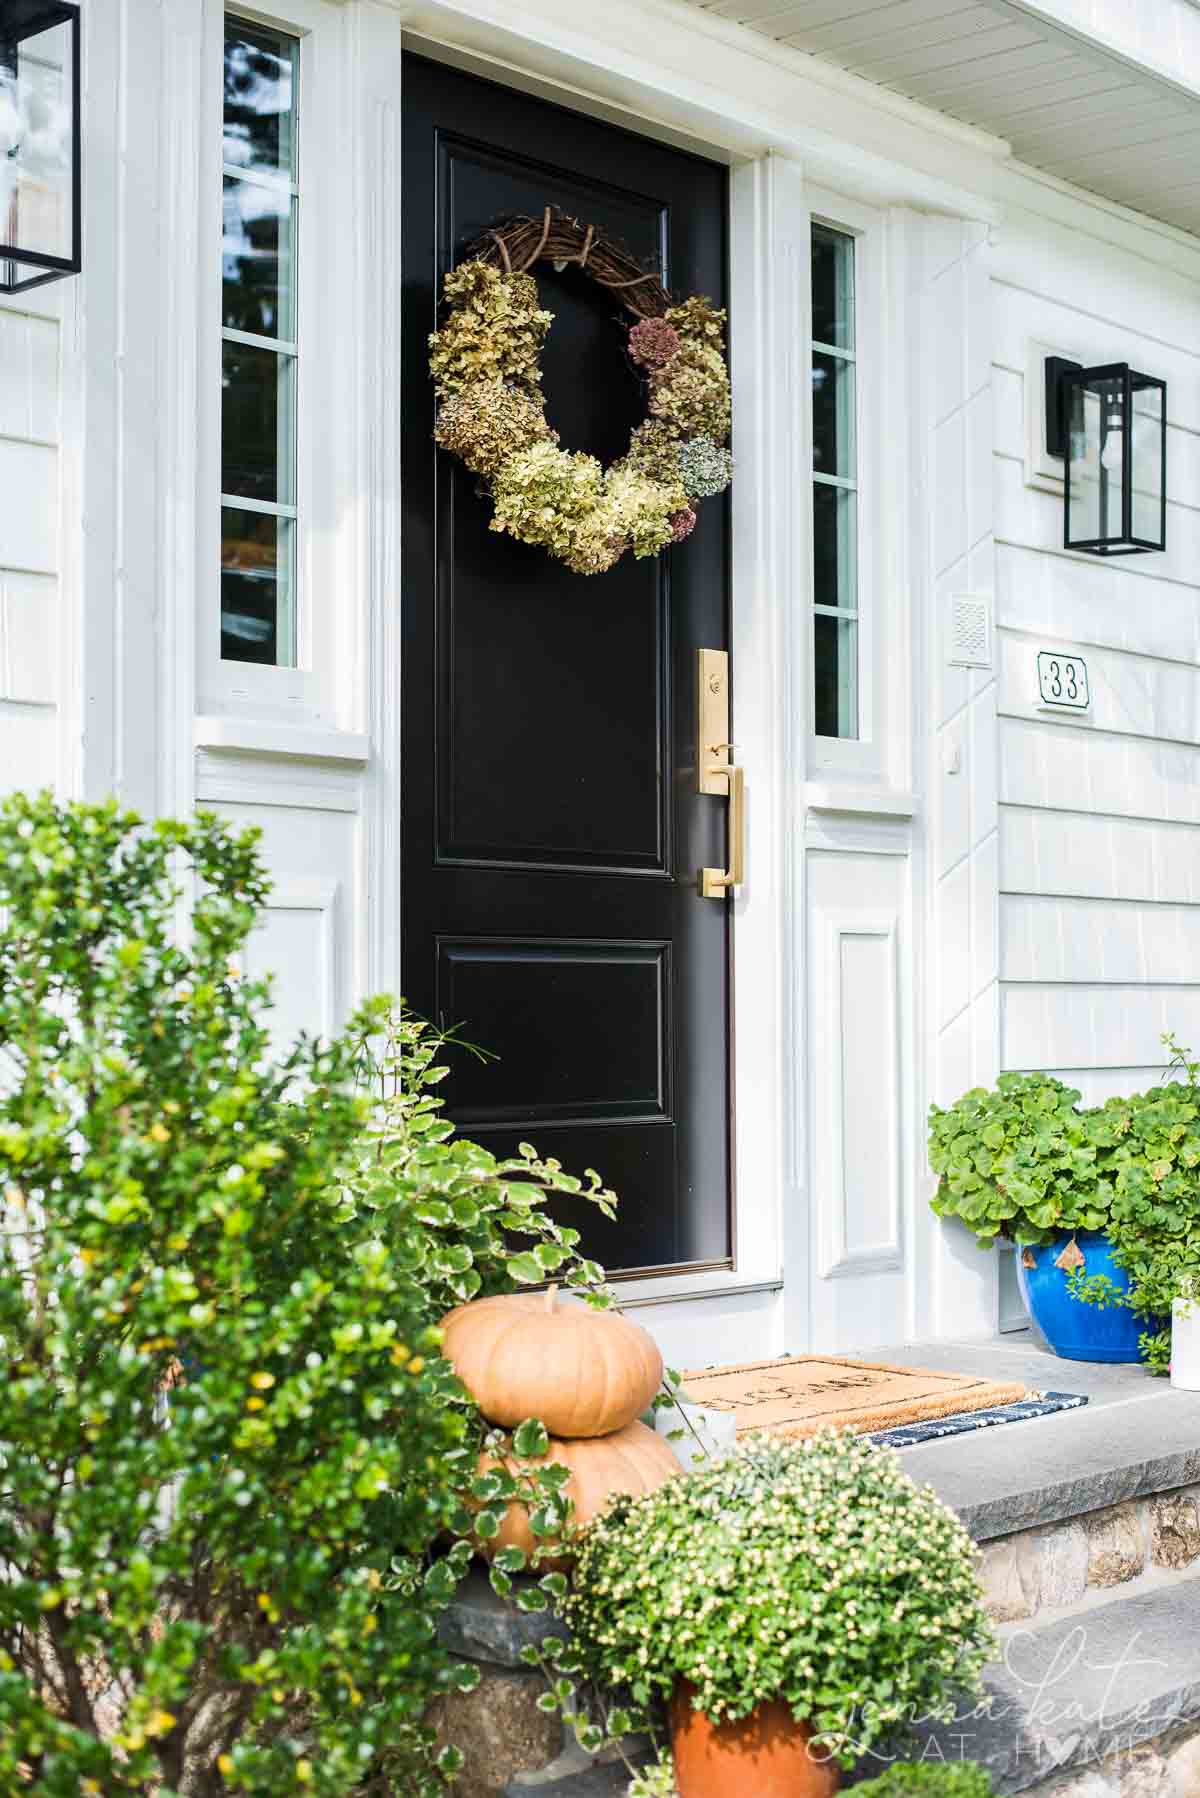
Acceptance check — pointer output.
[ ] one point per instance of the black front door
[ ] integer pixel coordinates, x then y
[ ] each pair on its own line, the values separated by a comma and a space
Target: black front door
552, 830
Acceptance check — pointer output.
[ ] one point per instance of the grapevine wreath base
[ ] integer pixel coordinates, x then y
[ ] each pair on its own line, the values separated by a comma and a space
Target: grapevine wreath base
485, 363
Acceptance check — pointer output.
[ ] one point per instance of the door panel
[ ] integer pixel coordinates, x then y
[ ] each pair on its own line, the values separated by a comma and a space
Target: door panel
552, 831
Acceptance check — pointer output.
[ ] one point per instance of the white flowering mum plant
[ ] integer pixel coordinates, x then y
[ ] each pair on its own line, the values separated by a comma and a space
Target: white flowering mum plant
814, 1572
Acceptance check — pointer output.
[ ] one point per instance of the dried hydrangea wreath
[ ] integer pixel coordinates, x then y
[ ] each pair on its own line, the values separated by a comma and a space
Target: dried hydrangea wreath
491, 411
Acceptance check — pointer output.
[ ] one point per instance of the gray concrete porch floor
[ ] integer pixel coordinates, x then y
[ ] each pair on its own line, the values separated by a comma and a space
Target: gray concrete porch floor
1134, 1437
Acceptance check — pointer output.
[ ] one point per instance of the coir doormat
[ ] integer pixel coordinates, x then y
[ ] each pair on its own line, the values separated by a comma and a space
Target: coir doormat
800, 1394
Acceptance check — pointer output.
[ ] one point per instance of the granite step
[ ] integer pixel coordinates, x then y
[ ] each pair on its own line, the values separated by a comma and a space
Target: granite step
1069, 1695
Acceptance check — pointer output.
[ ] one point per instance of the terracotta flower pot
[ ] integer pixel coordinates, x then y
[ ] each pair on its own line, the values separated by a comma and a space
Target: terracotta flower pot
766, 1753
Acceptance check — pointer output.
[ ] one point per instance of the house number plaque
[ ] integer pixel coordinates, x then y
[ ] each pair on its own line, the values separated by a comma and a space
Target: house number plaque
1062, 682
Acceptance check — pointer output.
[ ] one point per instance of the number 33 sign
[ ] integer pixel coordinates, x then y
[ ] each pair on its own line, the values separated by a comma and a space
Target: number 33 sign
1062, 682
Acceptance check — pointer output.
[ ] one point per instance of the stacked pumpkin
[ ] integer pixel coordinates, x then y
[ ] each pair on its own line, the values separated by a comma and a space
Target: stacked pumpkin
586, 1374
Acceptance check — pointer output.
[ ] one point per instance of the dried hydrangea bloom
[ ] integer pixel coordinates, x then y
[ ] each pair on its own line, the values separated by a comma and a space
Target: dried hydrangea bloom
698, 321
485, 422
706, 468
682, 524
547, 496
596, 548
495, 330
641, 509
693, 393
654, 451
652, 342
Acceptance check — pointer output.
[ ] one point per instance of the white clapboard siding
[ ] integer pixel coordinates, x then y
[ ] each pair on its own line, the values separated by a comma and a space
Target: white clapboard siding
29, 542
1070, 768
1085, 855
1071, 598
1053, 1027
1100, 814
1047, 940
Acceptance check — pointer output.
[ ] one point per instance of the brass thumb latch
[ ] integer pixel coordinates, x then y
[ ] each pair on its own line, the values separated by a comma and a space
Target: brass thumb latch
715, 773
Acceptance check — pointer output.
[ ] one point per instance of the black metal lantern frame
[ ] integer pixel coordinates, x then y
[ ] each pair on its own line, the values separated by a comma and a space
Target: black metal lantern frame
1110, 426
23, 262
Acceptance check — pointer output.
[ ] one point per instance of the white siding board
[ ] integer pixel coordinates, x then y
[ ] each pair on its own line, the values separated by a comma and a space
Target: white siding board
1121, 777
1080, 854
28, 748
1065, 598
29, 520
1096, 1027
28, 619
1053, 279
1095, 1085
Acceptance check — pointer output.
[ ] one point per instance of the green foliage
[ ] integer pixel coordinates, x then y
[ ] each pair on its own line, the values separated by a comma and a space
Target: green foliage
654, 1781
1149, 1154
928, 1779
1018, 1161
227, 1441
815, 1572
1025, 1161
463, 1224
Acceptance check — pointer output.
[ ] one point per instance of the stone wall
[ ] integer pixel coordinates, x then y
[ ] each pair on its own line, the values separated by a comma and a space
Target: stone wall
1056, 1566
1167, 1768
498, 1727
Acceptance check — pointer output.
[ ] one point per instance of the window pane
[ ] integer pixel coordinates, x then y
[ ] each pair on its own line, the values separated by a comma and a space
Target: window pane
260, 75
1147, 463
833, 287
257, 456
1097, 461
836, 663
835, 546
257, 259
257, 587
833, 415
36, 136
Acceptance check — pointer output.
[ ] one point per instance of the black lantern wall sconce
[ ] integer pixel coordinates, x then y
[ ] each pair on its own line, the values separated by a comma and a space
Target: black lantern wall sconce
1109, 425
40, 143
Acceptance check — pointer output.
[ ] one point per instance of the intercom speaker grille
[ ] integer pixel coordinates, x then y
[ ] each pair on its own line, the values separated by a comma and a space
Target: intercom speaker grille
970, 633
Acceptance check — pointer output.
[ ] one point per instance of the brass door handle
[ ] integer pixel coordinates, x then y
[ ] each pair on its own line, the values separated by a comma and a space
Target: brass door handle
716, 882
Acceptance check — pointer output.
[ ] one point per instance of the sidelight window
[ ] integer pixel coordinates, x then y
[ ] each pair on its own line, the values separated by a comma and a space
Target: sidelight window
835, 484
259, 522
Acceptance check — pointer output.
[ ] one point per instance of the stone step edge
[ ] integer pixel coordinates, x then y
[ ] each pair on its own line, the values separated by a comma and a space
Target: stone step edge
1096, 1458
1078, 1690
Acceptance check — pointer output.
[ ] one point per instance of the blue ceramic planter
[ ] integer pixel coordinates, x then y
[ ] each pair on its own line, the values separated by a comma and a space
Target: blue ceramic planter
1076, 1331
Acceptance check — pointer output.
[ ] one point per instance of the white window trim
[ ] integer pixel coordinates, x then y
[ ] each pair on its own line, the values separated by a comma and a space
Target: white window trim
325, 689
863, 758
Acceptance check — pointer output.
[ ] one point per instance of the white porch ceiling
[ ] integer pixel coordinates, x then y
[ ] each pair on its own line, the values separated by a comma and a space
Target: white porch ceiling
1067, 105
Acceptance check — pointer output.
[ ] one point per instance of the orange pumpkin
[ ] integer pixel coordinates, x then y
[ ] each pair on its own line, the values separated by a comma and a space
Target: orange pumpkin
633, 1460
582, 1372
